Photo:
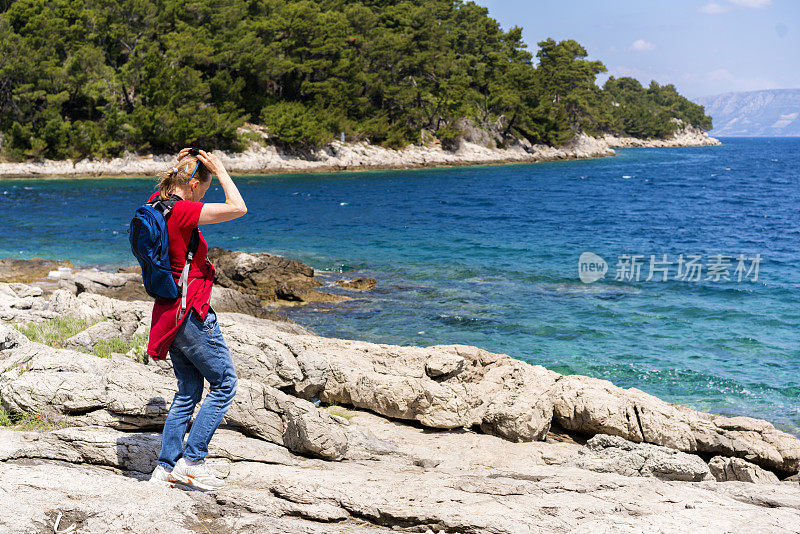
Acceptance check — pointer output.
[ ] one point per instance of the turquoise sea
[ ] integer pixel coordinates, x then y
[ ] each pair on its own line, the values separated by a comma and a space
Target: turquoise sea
488, 256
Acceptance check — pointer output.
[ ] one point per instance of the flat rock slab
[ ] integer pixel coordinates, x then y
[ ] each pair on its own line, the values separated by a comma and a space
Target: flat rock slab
99, 501
332, 497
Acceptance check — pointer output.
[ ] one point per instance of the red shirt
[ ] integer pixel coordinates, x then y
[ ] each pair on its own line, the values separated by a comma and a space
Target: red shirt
164, 324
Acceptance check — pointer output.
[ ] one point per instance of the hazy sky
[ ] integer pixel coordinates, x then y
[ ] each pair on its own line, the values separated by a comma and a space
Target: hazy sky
702, 47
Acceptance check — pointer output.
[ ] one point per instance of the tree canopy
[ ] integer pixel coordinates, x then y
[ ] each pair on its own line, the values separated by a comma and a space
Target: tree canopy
641, 112
96, 78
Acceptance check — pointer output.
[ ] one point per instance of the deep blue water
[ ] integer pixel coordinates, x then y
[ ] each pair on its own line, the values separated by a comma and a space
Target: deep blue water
488, 256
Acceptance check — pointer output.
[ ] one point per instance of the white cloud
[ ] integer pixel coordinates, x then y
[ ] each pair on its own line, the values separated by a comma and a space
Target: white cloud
712, 8
640, 45
751, 3
717, 7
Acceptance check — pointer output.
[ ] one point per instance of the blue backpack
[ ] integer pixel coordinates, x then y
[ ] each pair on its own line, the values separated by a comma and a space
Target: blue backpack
150, 244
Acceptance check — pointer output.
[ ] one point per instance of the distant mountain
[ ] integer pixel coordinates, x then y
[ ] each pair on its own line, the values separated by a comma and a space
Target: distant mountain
768, 113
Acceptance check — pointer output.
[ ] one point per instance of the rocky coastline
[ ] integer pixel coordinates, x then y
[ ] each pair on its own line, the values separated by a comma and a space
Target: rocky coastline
687, 135
476, 148
331, 435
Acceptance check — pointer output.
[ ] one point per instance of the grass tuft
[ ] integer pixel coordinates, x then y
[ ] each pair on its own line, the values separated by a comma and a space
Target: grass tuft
105, 347
53, 332
341, 411
31, 421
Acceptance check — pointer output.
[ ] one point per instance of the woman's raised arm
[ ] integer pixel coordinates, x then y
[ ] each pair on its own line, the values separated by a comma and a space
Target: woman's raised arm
234, 206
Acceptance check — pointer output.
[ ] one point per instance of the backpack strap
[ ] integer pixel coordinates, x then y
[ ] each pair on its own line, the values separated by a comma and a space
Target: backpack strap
165, 206
183, 283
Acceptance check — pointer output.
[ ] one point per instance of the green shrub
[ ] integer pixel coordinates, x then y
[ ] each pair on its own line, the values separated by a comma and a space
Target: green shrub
449, 137
294, 123
6, 418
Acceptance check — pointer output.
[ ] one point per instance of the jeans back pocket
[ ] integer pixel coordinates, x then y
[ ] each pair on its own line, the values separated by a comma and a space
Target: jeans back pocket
211, 321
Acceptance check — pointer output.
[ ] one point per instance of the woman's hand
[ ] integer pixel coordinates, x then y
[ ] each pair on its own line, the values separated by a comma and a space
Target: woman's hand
183, 153
210, 161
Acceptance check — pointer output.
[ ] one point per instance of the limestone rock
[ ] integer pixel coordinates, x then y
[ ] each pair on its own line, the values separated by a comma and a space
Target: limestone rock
258, 357
10, 338
592, 406
472, 464
224, 299
21, 290
426, 481
267, 276
260, 157
443, 365
447, 387
360, 283
613, 454
685, 135
94, 307
129, 451
62, 381
270, 414
16, 299
469, 387
494, 391
726, 469
97, 332
122, 394
27, 271
123, 286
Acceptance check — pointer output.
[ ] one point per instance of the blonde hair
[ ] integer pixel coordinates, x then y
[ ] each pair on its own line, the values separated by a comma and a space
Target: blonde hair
172, 178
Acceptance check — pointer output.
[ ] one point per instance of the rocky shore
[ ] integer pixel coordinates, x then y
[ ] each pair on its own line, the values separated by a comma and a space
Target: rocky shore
252, 283
333, 435
476, 148
687, 135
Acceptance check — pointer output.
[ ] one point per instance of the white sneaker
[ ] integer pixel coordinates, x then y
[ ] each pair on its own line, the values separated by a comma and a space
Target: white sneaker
198, 475
162, 476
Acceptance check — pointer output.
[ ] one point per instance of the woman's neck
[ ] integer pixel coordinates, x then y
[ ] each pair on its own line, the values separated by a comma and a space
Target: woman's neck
183, 194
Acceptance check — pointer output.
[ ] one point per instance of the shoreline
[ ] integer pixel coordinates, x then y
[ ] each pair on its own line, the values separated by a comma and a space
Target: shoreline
315, 170
322, 429
114, 269
259, 159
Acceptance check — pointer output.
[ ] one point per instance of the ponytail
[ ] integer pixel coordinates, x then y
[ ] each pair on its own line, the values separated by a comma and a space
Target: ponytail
174, 177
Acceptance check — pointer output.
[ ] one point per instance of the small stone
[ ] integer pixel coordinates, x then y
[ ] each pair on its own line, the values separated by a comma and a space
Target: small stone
427, 463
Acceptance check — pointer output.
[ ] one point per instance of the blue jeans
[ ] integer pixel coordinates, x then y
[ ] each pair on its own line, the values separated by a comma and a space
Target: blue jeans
198, 352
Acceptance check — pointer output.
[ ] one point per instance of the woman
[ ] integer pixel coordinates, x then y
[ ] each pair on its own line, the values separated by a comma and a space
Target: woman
193, 339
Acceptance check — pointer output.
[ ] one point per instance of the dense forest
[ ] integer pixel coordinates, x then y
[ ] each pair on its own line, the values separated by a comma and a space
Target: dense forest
96, 78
